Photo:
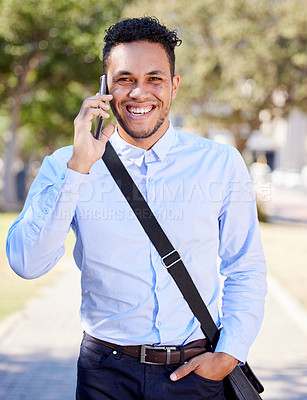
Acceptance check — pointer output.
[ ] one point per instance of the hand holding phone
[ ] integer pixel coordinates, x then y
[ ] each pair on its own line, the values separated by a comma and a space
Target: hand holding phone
90, 141
102, 90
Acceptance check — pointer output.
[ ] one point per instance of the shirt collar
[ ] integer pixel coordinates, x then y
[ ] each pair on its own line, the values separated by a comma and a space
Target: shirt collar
137, 155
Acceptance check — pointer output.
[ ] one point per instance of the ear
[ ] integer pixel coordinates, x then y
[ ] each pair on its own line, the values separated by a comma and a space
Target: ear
176, 80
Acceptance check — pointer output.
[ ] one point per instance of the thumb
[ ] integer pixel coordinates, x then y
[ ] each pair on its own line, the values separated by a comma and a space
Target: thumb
182, 371
107, 133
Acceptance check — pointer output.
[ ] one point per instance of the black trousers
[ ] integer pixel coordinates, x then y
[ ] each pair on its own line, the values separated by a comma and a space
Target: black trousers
107, 374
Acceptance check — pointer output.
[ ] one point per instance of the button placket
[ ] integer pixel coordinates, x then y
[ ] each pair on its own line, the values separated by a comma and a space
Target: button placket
155, 267
150, 185
152, 167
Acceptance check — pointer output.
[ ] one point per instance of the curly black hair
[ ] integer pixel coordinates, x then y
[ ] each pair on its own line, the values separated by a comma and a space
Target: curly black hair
138, 29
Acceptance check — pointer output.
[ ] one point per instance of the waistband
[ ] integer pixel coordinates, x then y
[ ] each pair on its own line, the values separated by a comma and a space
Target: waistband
161, 355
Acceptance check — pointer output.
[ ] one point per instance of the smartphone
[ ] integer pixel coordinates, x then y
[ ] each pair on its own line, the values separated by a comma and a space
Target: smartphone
102, 90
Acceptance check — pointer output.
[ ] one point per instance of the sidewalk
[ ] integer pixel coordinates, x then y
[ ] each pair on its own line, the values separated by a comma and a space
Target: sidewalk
279, 354
39, 347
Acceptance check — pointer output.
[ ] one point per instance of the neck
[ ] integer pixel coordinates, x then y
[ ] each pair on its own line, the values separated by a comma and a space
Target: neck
144, 143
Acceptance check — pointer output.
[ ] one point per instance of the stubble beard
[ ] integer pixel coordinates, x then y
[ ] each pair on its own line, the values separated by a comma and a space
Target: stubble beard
138, 135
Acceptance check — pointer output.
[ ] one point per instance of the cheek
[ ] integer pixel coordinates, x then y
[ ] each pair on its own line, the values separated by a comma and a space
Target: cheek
117, 99
163, 93
114, 107
118, 93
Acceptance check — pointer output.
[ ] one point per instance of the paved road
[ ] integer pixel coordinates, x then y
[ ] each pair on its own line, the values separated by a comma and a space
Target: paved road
39, 347
279, 354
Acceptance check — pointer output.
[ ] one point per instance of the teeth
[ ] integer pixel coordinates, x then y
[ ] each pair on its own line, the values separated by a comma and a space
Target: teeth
139, 111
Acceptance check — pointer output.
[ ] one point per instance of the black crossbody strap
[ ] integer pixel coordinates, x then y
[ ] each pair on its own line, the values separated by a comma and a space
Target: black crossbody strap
170, 257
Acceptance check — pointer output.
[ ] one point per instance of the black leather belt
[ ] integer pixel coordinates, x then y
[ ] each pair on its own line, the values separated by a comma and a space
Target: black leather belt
161, 355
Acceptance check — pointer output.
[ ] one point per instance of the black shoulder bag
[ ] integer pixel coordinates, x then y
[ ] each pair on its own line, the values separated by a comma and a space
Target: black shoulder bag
241, 383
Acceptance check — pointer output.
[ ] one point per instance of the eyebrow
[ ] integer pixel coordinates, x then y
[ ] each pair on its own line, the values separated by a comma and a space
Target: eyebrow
156, 72
119, 73
123, 72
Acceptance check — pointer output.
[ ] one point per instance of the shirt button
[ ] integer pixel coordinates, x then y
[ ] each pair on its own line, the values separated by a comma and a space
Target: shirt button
63, 177
150, 180
158, 288
159, 323
45, 210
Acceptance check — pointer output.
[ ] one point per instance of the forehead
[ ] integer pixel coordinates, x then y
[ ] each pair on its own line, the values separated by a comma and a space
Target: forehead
138, 57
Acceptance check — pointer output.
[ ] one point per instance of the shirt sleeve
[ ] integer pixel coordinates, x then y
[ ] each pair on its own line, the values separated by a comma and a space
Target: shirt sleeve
242, 263
36, 239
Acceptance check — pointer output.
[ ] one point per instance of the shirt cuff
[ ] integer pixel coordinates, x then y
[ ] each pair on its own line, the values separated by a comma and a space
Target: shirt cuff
231, 345
71, 180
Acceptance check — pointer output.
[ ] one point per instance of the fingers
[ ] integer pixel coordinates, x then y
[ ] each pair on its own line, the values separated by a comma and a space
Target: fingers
101, 97
91, 112
182, 371
107, 133
98, 101
95, 106
214, 366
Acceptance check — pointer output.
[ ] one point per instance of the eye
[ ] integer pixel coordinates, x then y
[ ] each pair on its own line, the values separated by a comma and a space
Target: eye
155, 79
123, 80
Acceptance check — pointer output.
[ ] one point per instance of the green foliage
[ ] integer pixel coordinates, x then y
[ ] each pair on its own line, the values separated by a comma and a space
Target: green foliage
238, 57
50, 60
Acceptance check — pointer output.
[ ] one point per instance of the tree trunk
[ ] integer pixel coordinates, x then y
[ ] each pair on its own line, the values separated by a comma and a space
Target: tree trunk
240, 142
10, 200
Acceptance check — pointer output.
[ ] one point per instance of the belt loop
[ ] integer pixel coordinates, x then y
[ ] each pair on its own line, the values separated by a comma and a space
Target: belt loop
168, 356
119, 352
181, 348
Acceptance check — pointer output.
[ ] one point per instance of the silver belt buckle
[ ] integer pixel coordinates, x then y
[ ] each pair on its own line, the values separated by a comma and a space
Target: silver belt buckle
168, 350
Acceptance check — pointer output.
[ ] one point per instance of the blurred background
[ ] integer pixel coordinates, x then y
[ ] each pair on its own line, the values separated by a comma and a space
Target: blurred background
243, 68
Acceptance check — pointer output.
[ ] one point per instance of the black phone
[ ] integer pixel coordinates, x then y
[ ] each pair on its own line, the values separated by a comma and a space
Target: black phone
102, 90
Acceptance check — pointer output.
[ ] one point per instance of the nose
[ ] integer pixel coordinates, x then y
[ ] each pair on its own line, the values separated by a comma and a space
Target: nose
138, 91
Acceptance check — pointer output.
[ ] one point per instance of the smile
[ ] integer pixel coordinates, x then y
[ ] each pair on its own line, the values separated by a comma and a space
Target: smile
140, 110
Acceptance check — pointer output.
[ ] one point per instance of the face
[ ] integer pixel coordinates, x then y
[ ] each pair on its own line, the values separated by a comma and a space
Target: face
139, 78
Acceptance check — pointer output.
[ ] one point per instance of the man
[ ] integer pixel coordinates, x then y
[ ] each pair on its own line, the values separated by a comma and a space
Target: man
201, 194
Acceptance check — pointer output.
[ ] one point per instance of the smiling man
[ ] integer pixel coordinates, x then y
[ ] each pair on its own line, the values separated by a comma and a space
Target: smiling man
142, 95
129, 300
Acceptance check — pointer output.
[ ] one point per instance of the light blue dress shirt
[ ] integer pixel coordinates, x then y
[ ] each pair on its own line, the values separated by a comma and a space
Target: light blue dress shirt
201, 194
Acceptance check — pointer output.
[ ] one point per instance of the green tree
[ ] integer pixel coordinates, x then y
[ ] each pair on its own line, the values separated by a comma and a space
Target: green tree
50, 59
238, 58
